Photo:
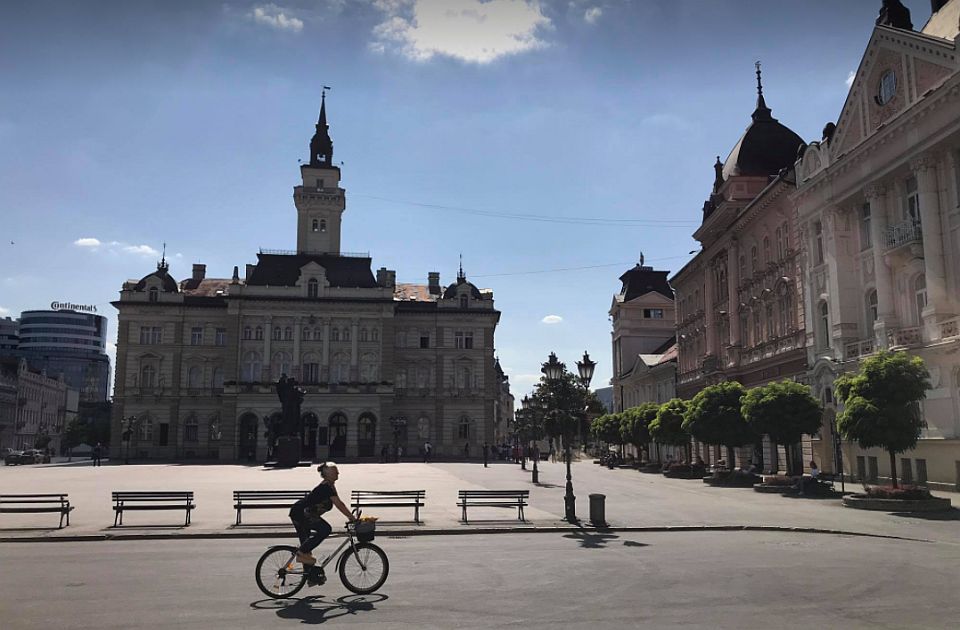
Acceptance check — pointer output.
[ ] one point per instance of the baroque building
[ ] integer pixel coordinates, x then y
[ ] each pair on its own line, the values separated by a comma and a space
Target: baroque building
739, 314
383, 363
878, 202
643, 342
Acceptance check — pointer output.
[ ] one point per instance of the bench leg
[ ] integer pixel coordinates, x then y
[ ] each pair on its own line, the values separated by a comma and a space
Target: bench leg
238, 516
464, 519
116, 515
416, 514
61, 520
186, 521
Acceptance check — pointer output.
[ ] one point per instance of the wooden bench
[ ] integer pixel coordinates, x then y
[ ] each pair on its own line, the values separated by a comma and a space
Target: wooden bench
390, 498
152, 500
35, 504
265, 499
494, 498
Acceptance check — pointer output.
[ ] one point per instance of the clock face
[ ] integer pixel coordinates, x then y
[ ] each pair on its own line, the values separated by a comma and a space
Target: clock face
887, 88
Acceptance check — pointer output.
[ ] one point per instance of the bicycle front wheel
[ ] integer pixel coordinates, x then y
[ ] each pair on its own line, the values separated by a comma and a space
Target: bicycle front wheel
278, 574
364, 568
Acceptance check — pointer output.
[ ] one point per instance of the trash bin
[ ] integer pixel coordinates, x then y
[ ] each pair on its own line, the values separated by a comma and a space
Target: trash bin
597, 509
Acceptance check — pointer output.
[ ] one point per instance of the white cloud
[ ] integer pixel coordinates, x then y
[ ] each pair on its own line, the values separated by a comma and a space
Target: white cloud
475, 31
144, 250
552, 319
591, 15
850, 78
4, 311
115, 247
276, 17
87, 242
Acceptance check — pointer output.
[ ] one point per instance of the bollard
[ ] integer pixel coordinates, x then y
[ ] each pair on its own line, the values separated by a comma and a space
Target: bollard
597, 509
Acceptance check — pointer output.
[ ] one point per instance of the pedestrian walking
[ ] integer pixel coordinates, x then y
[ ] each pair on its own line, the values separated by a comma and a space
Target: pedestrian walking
486, 454
96, 454
427, 451
466, 450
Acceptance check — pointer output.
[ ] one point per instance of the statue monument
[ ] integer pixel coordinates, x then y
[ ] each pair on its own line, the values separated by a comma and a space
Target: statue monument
287, 449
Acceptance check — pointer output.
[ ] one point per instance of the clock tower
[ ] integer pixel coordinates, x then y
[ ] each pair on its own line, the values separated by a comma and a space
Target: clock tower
319, 199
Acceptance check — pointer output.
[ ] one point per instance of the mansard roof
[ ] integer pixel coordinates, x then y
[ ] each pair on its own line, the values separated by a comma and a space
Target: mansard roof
283, 270
642, 280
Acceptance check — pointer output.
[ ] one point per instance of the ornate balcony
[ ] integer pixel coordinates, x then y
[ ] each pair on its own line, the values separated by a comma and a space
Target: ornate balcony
901, 337
950, 328
901, 234
857, 349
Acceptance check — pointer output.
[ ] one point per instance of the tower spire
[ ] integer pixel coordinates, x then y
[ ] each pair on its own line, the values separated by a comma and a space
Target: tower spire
461, 277
321, 146
762, 111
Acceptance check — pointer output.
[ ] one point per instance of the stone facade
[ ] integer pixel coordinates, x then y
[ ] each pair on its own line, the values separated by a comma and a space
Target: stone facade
41, 404
382, 363
878, 203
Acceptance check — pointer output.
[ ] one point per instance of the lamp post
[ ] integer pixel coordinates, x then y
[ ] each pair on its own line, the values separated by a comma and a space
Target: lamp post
554, 371
129, 425
398, 423
530, 419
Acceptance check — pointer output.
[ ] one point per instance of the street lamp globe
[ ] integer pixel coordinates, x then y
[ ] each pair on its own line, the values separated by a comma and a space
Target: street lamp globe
586, 368
553, 369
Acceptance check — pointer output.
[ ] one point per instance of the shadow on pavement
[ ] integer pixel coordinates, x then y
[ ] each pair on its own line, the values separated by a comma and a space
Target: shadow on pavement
953, 514
548, 485
591, 540
314, 609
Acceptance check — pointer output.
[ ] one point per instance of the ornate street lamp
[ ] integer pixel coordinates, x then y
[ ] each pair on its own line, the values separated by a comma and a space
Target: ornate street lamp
529, 416
129, 424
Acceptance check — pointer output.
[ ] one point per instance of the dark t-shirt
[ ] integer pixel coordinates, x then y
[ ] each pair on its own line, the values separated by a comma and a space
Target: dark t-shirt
318, 502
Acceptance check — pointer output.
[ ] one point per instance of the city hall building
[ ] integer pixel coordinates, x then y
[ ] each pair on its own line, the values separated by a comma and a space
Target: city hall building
382, 363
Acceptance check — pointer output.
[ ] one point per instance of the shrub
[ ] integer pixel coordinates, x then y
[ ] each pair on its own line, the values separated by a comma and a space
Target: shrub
903, 493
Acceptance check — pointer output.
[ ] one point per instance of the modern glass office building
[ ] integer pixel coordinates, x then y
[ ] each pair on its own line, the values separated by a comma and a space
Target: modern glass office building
71, 342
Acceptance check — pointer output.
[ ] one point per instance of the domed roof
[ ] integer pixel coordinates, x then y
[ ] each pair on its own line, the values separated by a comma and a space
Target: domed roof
166, 280
451, 291
765, 147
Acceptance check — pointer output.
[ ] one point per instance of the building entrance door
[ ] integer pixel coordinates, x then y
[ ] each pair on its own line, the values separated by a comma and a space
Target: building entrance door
308, 437
338, 435
248, 437
366, 440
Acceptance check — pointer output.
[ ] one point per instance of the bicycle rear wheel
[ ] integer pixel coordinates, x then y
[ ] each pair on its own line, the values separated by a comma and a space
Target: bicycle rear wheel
364, 568
278, 575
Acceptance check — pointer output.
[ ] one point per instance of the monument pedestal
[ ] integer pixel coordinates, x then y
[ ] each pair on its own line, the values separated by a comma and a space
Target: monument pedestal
288, 451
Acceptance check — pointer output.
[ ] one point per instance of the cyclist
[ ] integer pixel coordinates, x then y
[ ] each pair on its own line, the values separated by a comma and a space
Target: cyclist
307, 516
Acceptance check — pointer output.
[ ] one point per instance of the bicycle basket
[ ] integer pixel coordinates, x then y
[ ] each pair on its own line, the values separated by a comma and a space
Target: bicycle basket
365, 530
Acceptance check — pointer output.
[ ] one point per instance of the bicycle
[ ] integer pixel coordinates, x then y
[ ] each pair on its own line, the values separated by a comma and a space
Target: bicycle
363, 566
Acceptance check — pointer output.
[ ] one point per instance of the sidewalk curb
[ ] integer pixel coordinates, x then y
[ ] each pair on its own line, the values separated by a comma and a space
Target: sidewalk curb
406, 533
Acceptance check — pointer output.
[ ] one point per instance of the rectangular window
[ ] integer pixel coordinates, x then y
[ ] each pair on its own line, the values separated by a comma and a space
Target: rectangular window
653, 313
150, 335
906, 470
779, 243
196, 336
458, 339
468, 340
921, 470
866, 240
911, 205
221, 337
311, 372
861, 468
424, 341
818, 241
191, 432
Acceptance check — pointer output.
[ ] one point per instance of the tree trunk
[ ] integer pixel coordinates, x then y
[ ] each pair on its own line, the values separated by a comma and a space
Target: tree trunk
775, 456
659, 459
893, 469
731, 458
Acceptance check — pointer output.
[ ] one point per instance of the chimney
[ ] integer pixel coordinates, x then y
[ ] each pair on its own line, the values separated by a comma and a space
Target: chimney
433, 282
386, 277
236, 275
250, 269
199, 272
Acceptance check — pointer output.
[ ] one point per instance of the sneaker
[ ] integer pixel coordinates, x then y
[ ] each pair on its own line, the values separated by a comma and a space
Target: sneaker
304, 557
316, 577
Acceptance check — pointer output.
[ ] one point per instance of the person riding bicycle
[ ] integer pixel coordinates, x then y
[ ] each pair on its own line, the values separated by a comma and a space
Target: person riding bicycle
307, 517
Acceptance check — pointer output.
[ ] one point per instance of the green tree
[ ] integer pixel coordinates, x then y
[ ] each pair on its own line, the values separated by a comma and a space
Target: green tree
714, 417
606, 428
881, 403
785, 411
635, 423
667, 427
74, 434
570, 407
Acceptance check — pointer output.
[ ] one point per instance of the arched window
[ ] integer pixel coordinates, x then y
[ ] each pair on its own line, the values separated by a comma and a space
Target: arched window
323, 225
258, 333
786, 310
423, 428
218, 378
145, 429
375, 334
779, 235
920, 296
463, 429
766, 249
277, 333
786, 237
742, 267
154, 294
346, 334
340, 368
824, 324
757, 333
871, 310
334, 334
771, 331
251, 368
281, 363
305, 334
191, 430
247, 332
363, 334
369, 368
818, 242
315, 226
148, 376
195, 377
754, 262
464, 377
318, 334
288, 333
313, 288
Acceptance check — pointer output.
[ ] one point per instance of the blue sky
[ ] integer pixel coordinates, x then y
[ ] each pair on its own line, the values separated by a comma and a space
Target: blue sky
138, 123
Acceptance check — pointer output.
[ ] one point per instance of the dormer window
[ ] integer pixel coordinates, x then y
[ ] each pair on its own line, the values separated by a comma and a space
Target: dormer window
464, 301
153, 294
313, 288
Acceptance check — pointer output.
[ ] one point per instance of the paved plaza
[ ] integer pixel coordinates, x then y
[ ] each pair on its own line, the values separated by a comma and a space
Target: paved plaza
633, 499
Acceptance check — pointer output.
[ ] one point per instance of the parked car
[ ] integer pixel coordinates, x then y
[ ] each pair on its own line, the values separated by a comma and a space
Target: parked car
18, 457
40, 456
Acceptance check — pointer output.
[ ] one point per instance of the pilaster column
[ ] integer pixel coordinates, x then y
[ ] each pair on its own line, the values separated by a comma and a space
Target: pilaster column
733, 299
297, 334
325, 353
354, 350
709, 318
267, 359
925, 169
877, 197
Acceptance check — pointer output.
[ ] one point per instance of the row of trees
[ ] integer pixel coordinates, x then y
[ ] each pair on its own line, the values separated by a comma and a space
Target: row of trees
880, 410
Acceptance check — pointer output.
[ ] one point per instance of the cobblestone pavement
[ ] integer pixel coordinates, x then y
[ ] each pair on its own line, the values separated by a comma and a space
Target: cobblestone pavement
633, 499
